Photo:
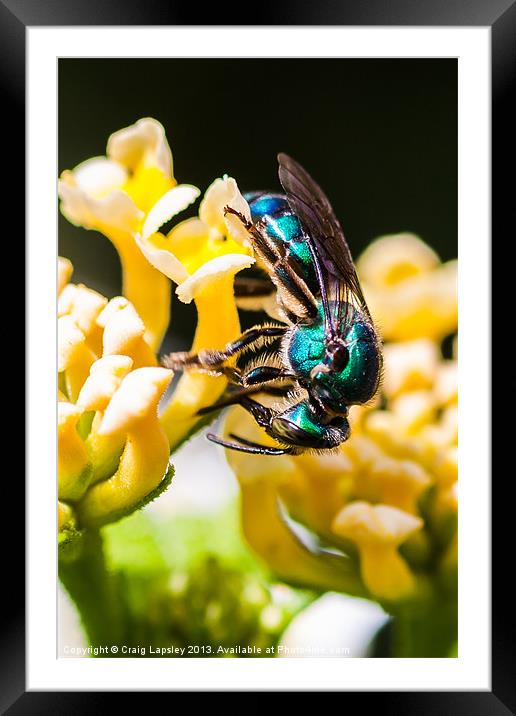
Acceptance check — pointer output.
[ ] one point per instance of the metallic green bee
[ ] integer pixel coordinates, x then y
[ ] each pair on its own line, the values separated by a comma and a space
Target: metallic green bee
330, 356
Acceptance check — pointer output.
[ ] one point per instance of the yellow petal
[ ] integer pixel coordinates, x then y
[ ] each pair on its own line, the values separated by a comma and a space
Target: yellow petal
105, 377
144, 461
446, 388
113, 195
413, 409
193, 244
104, 450
74, 357
124, 333
137, 398
64, 273
397, 483
69, 339
383, 427
217, 325
84, 306
377, 530
390, 260
145, 287
270, 537
361, 450
386, 573
423, 306
410, 365
318, 489
73, 468
210, 274
446, 466
362, 522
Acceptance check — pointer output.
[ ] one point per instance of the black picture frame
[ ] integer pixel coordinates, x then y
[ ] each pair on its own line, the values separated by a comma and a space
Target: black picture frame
500, 15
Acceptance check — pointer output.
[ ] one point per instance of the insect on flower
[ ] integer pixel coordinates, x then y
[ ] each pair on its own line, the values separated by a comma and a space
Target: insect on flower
330, 356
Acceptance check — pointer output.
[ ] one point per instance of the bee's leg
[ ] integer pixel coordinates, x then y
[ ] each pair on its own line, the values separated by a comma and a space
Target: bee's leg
280, 427
234, 397
264, 417
261, 413
213, 360
265, 374
295, 294
248, 446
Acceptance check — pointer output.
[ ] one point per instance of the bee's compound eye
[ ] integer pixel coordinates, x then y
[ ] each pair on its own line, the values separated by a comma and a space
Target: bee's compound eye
340, 358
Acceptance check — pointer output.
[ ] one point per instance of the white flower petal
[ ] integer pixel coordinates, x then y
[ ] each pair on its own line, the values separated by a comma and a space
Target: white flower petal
122, 330
362, 521
68, 415
69, 338
116, 304
83, 304
99, 176
66, 299
170, 204
64, 273
114, 365
137, 398
162, 260
211, 272
221, 193
116, 210
143, 141
105, 377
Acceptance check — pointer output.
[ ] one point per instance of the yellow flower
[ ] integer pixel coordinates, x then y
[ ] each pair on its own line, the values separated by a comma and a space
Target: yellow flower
202, 256
409, 292
65, 517
73, 465
264, 482
112, 450
393, 483
378, 530
64, 273
84, 306
124, 333
74, 357
106, 376
115, 195
132, 412
409, 365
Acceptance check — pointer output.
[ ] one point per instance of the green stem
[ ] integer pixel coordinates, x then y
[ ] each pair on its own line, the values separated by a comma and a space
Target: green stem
96, 591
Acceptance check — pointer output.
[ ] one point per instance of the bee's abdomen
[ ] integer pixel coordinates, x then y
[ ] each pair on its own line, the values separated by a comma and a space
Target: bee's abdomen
283, 227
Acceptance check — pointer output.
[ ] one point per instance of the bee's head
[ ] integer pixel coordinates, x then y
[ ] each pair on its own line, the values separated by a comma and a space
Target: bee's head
348, 374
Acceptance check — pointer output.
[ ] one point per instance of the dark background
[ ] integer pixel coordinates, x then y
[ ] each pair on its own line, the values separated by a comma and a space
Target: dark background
380, 136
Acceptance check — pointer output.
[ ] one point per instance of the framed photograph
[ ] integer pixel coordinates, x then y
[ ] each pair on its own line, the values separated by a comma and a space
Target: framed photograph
271, 467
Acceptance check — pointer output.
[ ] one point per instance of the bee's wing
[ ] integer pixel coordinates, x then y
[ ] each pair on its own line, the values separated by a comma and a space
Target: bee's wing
337, 275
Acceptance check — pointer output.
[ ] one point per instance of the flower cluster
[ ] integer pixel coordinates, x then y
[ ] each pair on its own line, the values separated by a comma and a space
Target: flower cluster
377, 517
387, 499
112, 450
113, 447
